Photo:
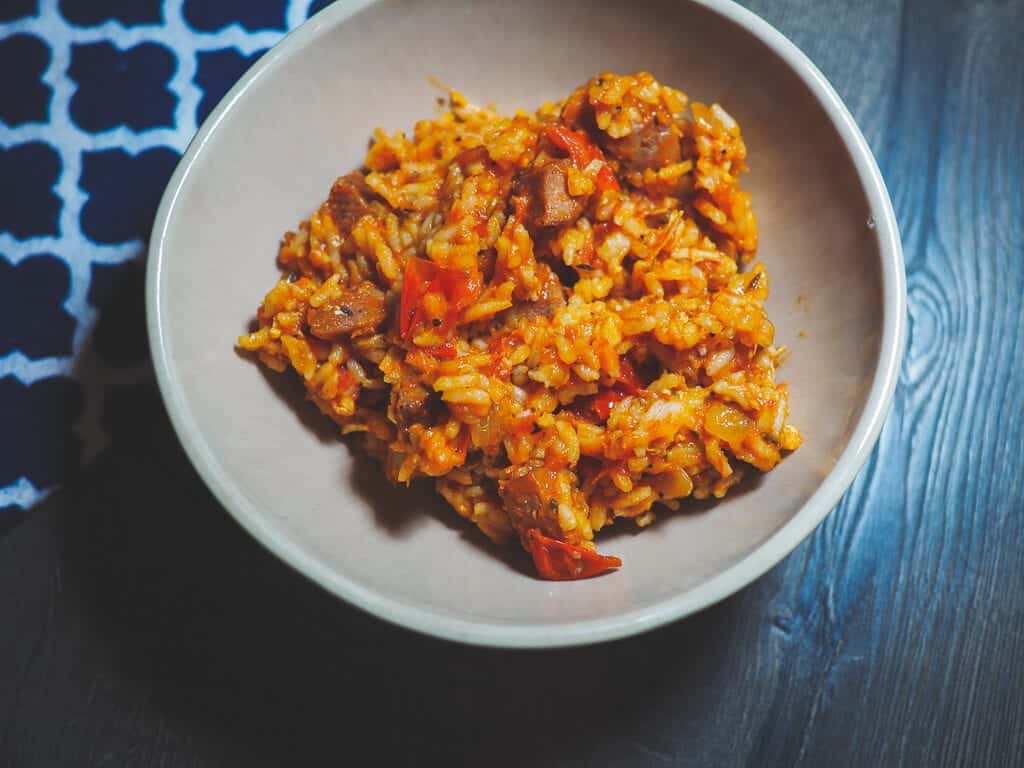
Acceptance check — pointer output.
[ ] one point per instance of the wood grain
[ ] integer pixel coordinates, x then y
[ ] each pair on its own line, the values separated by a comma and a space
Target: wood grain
141, 627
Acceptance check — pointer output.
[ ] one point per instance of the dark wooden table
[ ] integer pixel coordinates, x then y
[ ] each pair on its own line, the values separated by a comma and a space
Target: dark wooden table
139, 626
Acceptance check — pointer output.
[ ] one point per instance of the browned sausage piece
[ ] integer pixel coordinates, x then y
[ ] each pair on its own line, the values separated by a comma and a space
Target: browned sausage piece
549, 191
532, 501
529, 311
650, 146
487, 259
551, 299
472, 155
358, 310
350, 199
414, 403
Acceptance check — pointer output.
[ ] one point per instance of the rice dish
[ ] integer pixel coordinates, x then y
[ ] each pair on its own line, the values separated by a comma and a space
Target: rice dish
554, 315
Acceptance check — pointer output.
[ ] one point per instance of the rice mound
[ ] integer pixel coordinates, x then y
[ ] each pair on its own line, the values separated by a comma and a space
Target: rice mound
544, 312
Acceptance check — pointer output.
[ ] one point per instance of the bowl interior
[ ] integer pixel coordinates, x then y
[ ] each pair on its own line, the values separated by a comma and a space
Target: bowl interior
307, 118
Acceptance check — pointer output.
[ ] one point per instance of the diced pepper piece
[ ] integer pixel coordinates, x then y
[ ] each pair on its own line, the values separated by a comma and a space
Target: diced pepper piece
459, 288
582, 151
559, 561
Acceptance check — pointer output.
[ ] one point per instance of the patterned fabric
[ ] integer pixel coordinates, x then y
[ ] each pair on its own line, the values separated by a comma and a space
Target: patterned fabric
98, 100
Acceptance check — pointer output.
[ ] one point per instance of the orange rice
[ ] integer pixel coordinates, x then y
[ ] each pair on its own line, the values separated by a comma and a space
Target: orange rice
544, 312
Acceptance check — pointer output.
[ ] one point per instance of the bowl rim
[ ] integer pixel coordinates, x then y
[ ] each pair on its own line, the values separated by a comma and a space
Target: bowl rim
734, 578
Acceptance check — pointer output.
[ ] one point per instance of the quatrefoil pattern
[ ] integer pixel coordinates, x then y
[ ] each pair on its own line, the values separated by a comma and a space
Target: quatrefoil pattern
98, 100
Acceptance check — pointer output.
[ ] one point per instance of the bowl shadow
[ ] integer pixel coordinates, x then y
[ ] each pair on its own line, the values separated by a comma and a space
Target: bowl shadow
396, 510
289, 390
185, 615
400, 510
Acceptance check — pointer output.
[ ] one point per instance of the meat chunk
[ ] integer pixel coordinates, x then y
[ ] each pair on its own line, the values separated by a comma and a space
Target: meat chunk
650, 146
472, 155
350, 199
551, 203
410, 401
551, 299
487, 260
413, 403
544, 307
357, 311
532, 501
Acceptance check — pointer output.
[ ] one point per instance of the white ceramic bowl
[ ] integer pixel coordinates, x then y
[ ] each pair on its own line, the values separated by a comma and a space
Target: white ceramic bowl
302, 115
